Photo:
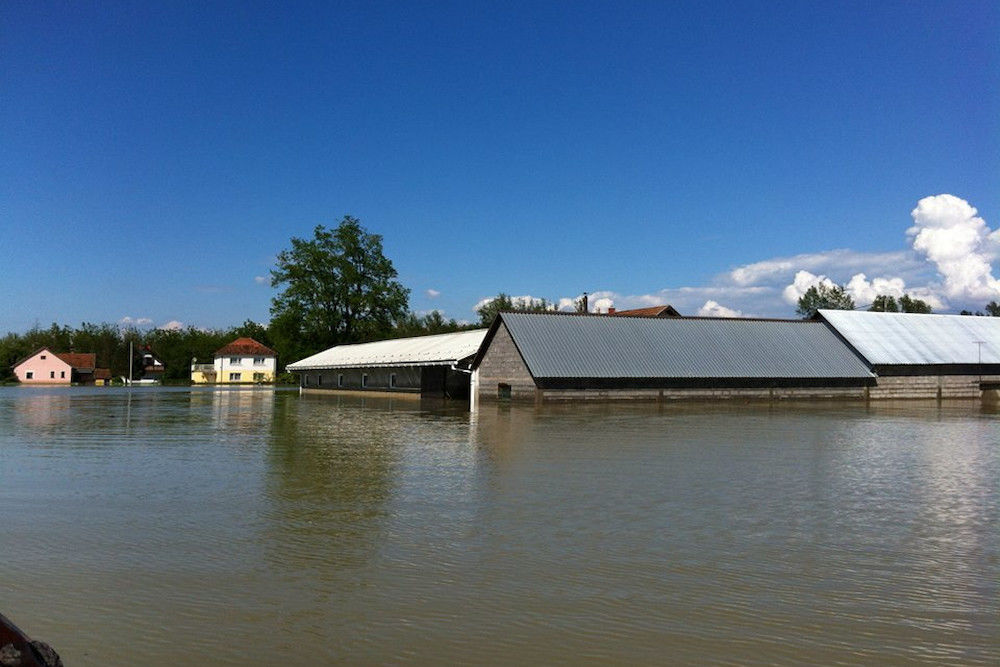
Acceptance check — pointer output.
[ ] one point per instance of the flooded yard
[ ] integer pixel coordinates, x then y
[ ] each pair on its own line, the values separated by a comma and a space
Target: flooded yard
251, 526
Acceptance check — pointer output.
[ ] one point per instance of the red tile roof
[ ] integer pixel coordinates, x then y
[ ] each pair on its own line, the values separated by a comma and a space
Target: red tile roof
79, 359
245, 347
655, 311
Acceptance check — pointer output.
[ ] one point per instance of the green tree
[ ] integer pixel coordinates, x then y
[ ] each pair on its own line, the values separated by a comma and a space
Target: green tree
993, 309
910, 305
823, 296
504, 302
884, 303
337, 287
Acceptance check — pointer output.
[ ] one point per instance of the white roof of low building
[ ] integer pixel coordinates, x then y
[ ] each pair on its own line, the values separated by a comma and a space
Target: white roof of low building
438, 350
915, 339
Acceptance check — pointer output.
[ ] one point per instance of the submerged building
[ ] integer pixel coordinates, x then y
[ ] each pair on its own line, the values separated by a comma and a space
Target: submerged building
922, 356
430, 366
554, 356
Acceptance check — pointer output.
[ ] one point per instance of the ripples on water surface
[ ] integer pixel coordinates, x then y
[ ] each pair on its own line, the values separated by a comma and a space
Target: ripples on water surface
162, 527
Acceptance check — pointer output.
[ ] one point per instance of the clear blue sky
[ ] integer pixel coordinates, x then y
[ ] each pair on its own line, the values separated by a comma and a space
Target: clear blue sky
156, 156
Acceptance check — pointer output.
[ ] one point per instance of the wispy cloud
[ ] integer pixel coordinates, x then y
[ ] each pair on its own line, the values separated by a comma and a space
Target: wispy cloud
432, 293
135, 321
262, 280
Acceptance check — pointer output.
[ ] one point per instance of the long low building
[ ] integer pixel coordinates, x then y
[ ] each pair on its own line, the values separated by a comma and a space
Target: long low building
555, 356
922, 356
431, 366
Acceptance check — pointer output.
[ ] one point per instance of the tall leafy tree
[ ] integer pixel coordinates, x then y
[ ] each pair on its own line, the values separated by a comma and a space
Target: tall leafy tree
993, 309
823, 296
907, 304
884, 303
504, 302
337, 287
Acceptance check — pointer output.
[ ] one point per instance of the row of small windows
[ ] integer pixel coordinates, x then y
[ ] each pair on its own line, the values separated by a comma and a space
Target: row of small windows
235, 377
236, 361
30, 375
364, 380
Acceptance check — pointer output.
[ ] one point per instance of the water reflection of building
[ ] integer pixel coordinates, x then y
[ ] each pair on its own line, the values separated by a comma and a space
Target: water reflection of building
241, 409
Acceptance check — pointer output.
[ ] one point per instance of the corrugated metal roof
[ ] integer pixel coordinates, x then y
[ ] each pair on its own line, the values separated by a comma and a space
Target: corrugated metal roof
566, 346
437, 350
911, 339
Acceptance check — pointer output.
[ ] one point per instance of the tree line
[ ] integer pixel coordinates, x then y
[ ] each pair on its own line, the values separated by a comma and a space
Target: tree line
835, 297
334, 288
337, 287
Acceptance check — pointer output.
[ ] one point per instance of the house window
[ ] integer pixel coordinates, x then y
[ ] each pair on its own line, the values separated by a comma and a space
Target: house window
258, 361
62, 374
52, 375
43, 357
503, 391
234, 361
259, 377
392, 380
364, 380
30, 375
234, 377
319, 380
340, 380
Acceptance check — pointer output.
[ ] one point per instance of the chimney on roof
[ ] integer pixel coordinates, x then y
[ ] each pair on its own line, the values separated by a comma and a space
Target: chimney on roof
611, 310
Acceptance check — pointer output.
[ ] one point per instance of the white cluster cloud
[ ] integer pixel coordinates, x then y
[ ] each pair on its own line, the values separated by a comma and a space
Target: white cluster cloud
172, 325
949, 233
801, 283
432, 293
715, 309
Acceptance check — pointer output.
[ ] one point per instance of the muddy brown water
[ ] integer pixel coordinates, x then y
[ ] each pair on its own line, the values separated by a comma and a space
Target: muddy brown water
167, 526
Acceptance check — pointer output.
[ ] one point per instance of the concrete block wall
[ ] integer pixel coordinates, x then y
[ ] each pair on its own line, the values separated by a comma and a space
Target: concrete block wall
928, 387
789, 393
502, 363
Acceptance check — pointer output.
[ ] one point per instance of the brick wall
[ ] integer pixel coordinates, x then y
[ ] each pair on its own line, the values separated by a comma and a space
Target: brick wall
502, 363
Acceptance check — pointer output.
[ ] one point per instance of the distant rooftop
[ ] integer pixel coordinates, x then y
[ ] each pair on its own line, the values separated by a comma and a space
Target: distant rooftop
245, 347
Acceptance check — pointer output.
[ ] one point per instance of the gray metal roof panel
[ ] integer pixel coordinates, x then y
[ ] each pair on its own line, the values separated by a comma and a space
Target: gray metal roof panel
569, 346
915, 339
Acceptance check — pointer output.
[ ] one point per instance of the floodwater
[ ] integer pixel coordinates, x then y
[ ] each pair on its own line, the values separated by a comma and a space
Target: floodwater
252, 526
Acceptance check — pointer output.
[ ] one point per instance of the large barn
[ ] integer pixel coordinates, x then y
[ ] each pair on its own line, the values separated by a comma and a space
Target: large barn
429, 366
553, 356
922, 356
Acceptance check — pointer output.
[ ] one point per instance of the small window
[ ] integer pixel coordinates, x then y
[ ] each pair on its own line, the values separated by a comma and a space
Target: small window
258, 361
43, 357
52, 375
234, 377
392, 380
340, 380
234, 361
364, 380
62, 374
30, 375
319, 380
503, 391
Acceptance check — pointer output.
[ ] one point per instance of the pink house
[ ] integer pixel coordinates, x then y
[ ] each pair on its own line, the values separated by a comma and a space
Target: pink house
47, 367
